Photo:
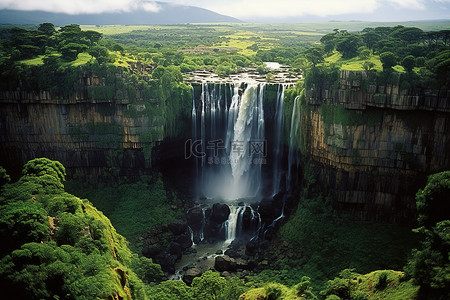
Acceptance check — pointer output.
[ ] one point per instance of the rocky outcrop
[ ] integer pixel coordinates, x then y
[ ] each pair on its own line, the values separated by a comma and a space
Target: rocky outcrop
372, 147
165, 244
190, 274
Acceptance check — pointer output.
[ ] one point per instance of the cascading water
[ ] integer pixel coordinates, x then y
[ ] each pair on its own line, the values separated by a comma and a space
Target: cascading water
233, 150
278, 140
230, 169
293, 141
231, 224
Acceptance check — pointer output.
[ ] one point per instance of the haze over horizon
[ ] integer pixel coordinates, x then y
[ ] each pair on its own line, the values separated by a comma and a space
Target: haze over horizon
260, 10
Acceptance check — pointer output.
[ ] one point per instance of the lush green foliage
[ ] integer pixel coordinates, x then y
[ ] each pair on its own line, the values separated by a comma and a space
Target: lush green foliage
424, 52
331, 243
133, 208
429, 265
209, 286
59, 246
382, 284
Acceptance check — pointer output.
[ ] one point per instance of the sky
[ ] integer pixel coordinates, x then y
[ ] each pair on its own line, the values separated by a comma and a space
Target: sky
261, 10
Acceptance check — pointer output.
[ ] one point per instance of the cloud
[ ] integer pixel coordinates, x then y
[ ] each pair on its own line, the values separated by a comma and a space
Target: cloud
243, 9
292, 8
80, 6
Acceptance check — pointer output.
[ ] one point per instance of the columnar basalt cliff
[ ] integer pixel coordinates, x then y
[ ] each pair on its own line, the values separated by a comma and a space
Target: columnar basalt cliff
90, 136
372, 145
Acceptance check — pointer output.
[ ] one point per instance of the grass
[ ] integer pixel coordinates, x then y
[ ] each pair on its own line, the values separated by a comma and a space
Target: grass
396, 286
36, 61
352, 64
117, 29
82, 59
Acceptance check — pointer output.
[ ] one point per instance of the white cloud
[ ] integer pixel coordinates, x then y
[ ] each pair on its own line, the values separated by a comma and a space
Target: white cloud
80, 6
290, 8
411, 4
237, 8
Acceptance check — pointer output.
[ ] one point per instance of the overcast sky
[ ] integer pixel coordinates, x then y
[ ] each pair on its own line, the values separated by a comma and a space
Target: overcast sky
249, 10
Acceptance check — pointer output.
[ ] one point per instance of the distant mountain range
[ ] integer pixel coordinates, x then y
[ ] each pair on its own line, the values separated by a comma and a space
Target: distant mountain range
167, 14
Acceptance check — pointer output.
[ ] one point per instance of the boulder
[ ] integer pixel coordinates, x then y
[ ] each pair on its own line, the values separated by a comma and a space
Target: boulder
178, 227
270, 209
226, 274
233, 253
190, 274
252, 247
195, 218
151, 251
242, 264
167, 262
220, 213
224, 263
184, 240
176, 249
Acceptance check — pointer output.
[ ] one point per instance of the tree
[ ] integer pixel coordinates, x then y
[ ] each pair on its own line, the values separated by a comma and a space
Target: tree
71, 50
408, 63
430, 266
44, 166
348, 45
329, 42
4, 177
100, 53
93, 36
364, 52
47, 28
432, 201
315, 55
368, 65
388, 59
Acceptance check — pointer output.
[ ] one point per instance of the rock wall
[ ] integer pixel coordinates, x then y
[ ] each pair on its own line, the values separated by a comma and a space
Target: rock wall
373, 149
88, 136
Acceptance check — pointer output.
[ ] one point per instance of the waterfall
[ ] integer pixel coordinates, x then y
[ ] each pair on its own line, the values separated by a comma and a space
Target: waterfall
293, 141
191, 232
247, 129
228, 166
231, 224
278, 140
228, 120
202, 229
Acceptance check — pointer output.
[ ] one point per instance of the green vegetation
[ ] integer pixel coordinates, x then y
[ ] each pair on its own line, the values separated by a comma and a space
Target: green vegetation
133, 208
57, 245
329, 243
429, 265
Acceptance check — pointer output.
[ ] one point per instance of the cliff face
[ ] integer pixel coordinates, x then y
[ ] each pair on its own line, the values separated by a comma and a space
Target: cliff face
88, 136
373, 147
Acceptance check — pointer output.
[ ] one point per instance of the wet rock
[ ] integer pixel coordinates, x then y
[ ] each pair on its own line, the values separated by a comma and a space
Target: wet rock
224, 263
194, 218
233, 253
178, 227
167, 262
220, 213
190, 274
242, 264
226, 274
219, 252
184, 241
270, 209
152, 251
176, 249
252, 247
